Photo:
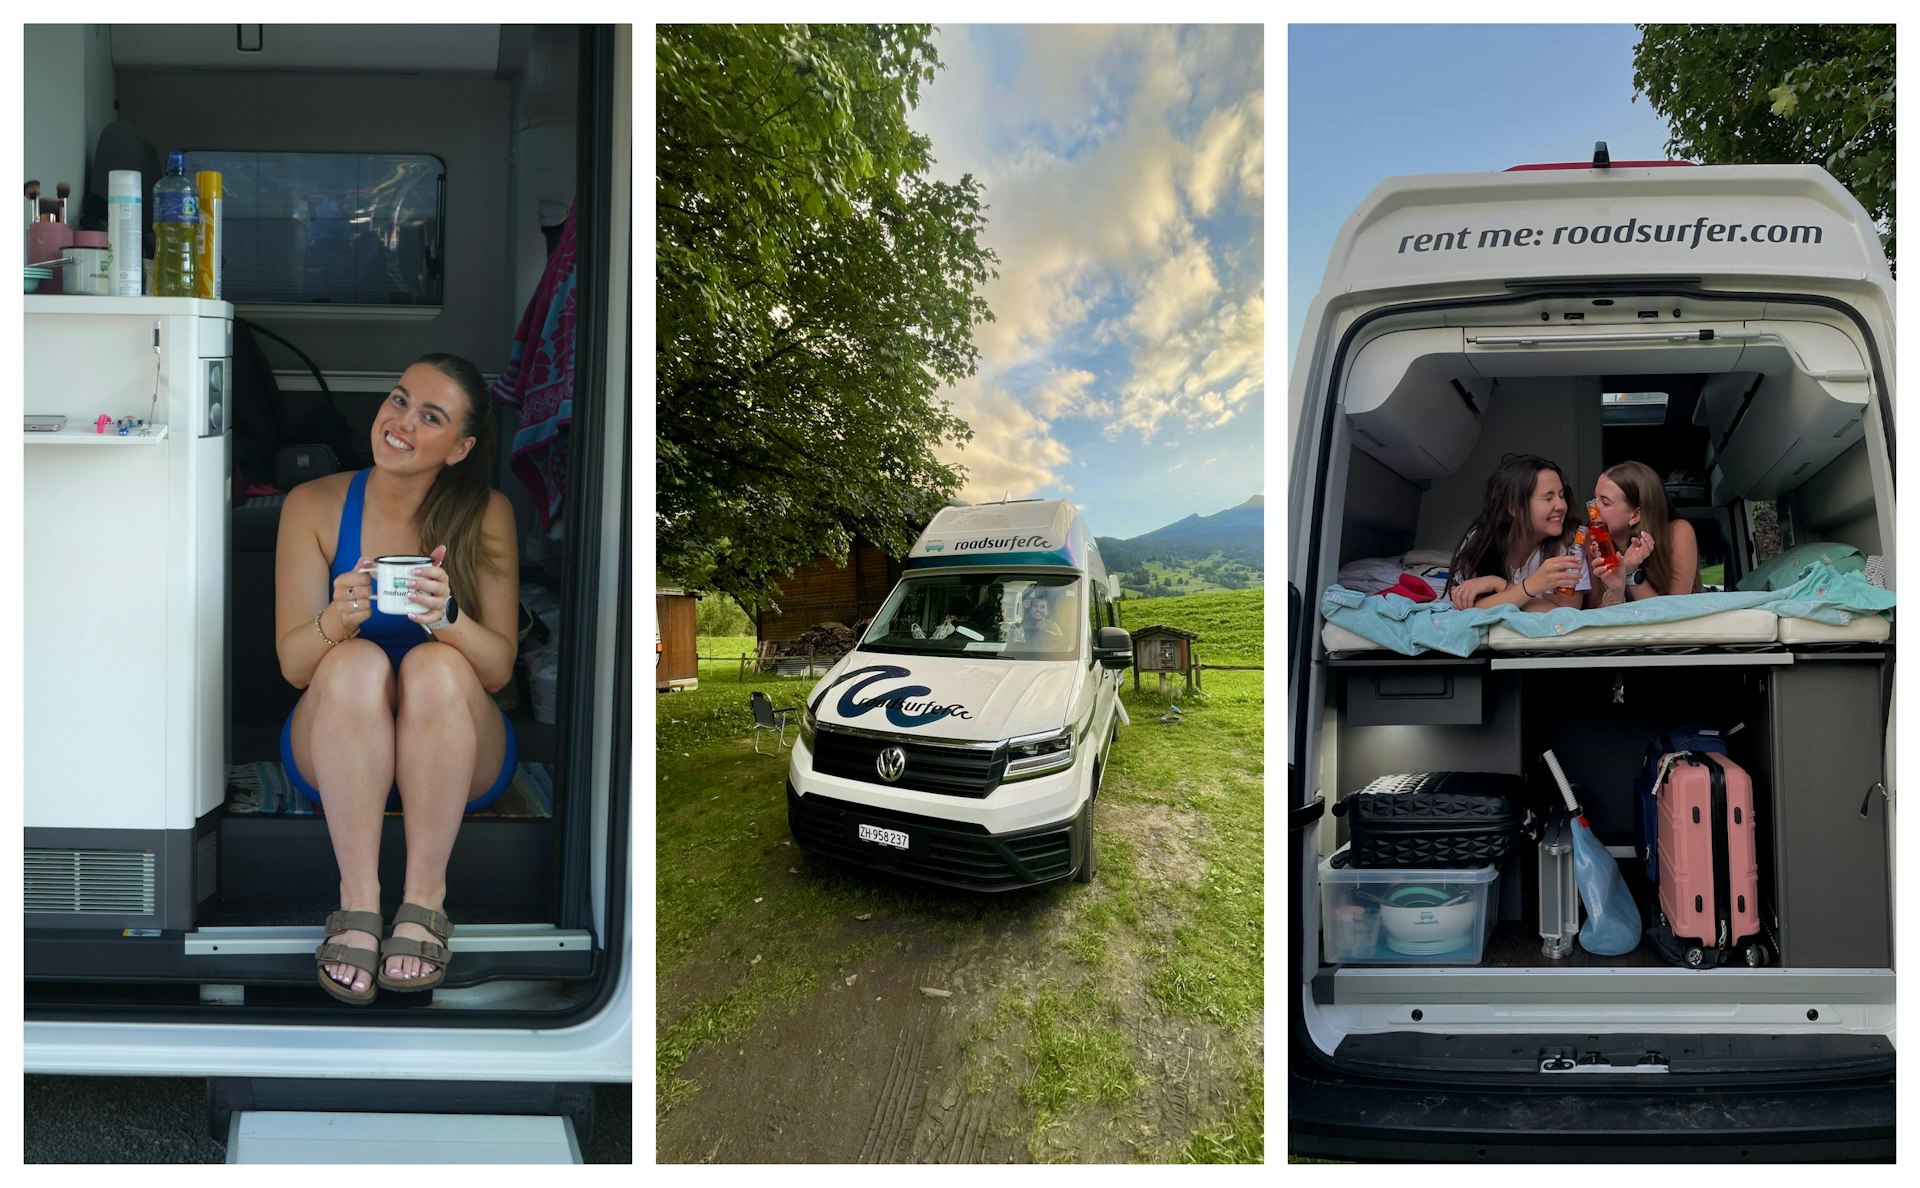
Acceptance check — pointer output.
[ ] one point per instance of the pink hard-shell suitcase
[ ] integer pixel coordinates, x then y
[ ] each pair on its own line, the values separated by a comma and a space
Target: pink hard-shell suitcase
1709, 906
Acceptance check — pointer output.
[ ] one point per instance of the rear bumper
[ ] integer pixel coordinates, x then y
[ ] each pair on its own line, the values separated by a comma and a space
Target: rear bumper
950, 853
1368, 1121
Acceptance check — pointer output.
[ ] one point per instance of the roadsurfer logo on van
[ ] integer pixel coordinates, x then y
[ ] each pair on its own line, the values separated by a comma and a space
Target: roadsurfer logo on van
901, 709
999, 544
1689, 235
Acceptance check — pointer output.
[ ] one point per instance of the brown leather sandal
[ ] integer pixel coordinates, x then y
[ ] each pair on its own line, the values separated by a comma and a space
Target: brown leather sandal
364, 960
398, 946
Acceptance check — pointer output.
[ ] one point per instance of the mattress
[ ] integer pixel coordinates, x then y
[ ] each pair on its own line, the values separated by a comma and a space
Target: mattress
1870, 629
1715, 630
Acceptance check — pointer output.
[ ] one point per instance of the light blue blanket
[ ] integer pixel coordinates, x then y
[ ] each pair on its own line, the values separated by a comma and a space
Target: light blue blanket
1410, 627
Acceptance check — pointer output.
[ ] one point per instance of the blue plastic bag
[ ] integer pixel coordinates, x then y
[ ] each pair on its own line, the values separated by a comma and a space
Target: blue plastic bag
1613, 921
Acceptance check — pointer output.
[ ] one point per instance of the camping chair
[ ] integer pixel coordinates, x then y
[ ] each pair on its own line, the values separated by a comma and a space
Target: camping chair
765, 717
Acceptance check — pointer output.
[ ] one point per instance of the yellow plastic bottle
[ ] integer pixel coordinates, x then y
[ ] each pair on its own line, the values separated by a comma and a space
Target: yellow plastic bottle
208, 238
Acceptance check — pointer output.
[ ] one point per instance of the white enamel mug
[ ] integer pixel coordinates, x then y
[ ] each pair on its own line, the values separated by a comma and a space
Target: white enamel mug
390, 577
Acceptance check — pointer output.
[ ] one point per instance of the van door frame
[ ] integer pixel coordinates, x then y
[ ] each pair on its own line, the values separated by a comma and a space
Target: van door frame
605, 138
604, 154
1303, 806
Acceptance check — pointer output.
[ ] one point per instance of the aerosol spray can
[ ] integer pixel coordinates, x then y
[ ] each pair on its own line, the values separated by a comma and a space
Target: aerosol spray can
123, 230
208, 239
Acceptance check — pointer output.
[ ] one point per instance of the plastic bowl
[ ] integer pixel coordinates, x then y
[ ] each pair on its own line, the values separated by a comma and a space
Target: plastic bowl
1421, 916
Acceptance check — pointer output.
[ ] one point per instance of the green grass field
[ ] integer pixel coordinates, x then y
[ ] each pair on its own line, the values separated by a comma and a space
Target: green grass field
1166, 940
1231, 623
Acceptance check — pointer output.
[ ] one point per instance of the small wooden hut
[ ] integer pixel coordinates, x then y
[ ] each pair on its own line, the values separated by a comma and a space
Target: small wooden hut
1163, 650
676, 644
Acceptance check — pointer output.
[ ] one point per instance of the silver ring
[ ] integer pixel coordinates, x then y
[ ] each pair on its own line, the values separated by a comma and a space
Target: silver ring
354, 601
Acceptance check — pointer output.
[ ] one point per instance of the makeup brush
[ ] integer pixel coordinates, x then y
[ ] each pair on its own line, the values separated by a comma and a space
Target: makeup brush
63, 189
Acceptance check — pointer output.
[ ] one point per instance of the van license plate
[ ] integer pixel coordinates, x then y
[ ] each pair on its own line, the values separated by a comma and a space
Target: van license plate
886, 837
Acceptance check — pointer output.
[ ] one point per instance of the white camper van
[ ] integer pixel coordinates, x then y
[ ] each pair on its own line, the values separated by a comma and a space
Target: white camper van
1732, 328
390, 191
961, 741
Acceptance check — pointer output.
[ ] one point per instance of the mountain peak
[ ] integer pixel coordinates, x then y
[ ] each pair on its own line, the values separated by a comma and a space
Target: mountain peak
1256, 501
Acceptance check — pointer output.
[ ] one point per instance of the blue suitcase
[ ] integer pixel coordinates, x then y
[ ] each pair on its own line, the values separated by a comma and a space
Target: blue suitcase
1646, 827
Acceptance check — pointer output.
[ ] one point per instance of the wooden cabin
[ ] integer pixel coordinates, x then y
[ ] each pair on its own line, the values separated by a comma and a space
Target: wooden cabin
824, 592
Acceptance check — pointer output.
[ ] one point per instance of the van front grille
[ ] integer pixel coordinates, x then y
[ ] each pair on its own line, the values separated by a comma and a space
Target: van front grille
954, 855
90, 882
931, 767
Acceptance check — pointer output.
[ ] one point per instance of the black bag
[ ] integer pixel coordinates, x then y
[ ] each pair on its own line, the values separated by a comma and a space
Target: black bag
1434, 820
266, 420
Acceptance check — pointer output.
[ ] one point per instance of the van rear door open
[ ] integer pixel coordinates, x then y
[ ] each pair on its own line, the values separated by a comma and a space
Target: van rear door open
1731, 328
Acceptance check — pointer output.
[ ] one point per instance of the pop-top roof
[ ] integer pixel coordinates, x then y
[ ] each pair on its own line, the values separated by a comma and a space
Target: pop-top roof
1036, 532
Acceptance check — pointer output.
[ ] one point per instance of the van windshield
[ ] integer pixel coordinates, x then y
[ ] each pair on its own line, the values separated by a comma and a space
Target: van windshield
1010, 616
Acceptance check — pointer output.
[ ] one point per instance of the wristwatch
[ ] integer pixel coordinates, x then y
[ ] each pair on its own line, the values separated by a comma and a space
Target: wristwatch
1639, 578
448, 615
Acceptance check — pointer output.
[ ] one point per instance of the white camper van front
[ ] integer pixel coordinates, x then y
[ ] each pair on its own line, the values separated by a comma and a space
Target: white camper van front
961, 740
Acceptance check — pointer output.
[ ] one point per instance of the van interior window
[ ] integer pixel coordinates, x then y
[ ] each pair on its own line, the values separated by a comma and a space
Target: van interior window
1632, 408
335, 228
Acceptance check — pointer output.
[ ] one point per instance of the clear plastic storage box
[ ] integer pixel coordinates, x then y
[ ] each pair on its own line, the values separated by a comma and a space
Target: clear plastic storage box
1405, 917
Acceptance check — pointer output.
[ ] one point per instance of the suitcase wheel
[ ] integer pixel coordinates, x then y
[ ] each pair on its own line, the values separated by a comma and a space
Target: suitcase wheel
1695, 957
1757, 955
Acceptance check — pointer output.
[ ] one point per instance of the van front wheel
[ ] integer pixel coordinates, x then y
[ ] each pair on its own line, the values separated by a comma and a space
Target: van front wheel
1087, 862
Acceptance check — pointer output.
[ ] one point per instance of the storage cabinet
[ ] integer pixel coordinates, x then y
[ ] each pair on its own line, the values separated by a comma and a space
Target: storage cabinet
125, 606
1825, 731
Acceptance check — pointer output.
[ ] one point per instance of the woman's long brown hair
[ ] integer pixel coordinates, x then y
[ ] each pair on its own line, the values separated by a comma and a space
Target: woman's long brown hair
1503, 526
456, 505
1647, 495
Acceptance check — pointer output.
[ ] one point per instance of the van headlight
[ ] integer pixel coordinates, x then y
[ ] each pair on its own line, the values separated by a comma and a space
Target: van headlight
806, 727
1038, 754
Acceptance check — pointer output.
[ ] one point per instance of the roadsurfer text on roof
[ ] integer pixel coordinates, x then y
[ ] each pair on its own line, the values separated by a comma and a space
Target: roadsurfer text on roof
1000, 544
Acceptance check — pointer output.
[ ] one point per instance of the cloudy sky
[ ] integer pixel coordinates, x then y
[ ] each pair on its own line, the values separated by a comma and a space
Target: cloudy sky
1124, 176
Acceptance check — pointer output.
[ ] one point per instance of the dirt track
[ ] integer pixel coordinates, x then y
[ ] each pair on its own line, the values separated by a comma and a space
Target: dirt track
870, 1068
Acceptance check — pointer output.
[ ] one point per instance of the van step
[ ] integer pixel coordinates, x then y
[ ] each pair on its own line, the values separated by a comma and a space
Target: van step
283, 955
280, 860
267, 1136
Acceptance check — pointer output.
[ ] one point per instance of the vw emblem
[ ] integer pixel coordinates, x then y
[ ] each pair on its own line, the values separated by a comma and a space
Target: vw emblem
891, 763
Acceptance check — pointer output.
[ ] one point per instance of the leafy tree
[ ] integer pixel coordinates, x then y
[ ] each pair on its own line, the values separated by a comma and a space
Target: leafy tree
815, 293
1769, 94
719, 615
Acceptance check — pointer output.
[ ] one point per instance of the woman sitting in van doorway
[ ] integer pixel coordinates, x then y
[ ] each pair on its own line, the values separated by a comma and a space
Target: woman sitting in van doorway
1630, 496
1518, 550
398, 709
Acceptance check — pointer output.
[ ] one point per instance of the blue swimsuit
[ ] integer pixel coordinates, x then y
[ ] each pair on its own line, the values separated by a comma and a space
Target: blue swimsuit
395, 634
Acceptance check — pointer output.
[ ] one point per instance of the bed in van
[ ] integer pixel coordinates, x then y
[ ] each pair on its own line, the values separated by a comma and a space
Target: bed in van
1732, 328
149, 933
962, 739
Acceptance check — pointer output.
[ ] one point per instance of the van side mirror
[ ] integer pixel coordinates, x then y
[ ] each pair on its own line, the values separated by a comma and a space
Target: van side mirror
1113, 647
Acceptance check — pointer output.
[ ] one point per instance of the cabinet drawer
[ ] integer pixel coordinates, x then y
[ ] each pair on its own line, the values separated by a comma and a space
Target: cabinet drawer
1427, 695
